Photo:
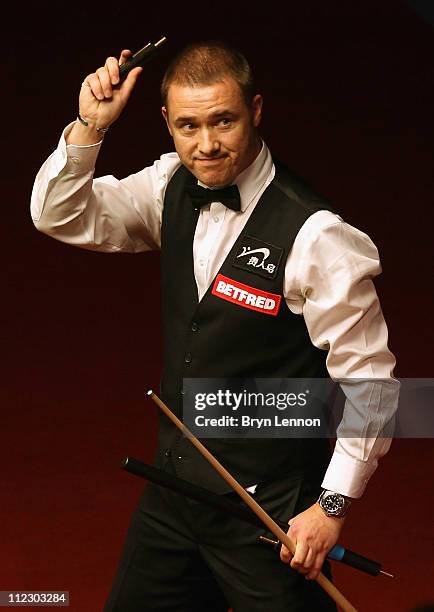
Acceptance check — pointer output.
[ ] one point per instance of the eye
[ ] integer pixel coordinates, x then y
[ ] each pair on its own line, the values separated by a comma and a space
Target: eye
225, 122
188, 127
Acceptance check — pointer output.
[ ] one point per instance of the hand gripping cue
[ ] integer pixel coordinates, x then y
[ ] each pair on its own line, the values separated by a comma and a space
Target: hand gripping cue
220, 502
322, 580
139, 58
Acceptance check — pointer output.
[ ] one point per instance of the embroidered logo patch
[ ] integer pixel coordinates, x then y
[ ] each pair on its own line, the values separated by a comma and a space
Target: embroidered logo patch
246, 296
258, 257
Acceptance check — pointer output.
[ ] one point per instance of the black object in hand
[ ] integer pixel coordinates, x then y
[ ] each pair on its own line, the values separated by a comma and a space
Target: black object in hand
139, 58
221, 502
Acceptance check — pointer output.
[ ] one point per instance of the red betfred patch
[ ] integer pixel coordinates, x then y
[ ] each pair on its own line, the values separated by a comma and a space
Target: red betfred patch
246, 296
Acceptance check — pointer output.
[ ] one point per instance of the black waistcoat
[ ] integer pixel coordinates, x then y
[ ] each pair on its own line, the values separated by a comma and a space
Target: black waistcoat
215, 338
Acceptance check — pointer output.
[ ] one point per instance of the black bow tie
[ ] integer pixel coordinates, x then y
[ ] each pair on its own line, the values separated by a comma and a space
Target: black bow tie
229, 196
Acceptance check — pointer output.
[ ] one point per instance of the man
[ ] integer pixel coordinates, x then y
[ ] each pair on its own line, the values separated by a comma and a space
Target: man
180, 555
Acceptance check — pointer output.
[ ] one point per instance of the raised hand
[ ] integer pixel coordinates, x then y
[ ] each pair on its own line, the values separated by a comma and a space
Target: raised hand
102, 99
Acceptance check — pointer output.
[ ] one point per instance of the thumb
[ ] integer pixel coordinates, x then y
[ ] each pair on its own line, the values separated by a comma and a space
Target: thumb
130, 82
285, 554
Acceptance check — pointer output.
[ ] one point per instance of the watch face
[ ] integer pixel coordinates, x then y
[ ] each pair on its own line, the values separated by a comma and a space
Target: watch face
333, 503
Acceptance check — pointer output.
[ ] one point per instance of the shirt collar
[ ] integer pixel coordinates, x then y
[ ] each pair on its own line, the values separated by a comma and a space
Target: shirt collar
253, 178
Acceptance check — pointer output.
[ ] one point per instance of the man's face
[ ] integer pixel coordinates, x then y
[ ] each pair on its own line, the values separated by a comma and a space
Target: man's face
213, 129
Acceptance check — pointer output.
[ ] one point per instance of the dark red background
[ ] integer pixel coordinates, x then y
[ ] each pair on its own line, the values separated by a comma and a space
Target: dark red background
349, 98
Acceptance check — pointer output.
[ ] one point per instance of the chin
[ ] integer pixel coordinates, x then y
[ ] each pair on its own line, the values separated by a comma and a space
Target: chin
213, 177
216, 179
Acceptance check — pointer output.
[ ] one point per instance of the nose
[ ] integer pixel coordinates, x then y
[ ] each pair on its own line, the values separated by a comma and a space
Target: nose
208, 144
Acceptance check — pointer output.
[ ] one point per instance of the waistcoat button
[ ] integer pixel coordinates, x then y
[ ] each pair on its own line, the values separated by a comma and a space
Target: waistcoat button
188, 358
194, 326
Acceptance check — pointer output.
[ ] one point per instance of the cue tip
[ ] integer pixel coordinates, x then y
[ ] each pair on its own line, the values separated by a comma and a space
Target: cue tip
160, 42
387, 574
274, 543
149, 392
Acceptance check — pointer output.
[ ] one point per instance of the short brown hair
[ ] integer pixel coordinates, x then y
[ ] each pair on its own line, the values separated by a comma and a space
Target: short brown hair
206, 63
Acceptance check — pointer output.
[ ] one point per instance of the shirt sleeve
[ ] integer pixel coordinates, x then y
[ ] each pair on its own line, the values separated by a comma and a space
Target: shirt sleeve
329, 280
102, 214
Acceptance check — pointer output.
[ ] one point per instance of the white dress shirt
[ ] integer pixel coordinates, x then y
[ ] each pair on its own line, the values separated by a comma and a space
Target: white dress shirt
328, 277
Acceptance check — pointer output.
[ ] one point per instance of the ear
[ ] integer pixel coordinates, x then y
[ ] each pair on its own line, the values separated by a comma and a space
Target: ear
257, 110
166, 117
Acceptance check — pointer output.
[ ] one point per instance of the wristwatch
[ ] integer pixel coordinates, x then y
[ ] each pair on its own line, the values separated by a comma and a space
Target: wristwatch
334, 504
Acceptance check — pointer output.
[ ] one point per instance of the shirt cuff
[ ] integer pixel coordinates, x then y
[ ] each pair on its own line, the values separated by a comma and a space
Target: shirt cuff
79, 159
347, 475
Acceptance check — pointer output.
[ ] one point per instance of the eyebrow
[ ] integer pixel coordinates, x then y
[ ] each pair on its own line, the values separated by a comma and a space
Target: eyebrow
191, 119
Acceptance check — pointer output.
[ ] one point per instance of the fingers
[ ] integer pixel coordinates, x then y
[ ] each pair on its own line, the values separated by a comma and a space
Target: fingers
306, 560
298, 560
285, 554
105, 81
99, 83
112, 68
315, 569
125, 55
92, 81
102, 81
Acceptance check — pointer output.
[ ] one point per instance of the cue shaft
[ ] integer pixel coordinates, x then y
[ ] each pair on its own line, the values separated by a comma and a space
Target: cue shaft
220, 502
322, 580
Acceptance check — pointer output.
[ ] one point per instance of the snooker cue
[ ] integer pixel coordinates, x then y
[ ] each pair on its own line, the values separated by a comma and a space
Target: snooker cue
219, 502
322, 580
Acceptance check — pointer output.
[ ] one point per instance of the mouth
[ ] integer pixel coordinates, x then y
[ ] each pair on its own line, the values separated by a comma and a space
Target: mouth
209, 161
